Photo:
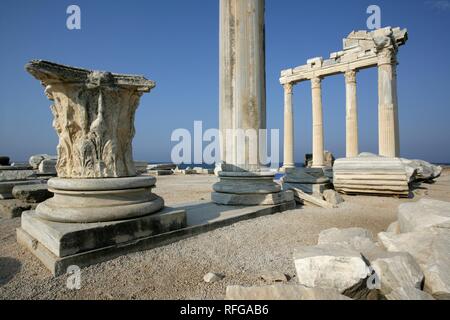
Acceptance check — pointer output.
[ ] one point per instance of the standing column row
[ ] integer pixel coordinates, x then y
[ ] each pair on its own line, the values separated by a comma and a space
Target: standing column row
388, 126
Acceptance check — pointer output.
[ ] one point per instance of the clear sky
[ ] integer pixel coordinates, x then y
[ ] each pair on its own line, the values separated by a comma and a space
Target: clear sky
175, 43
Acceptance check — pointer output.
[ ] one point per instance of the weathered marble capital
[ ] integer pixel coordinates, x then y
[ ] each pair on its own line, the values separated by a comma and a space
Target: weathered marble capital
288, 88
350, 76
93, 117
387, 56
316, 83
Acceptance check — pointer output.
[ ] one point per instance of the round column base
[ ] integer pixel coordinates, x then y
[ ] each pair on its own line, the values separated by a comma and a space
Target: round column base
249, 189
99, 200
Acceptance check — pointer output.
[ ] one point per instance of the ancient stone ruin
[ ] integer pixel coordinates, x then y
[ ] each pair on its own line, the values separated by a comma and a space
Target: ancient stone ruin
99, 201
362, 50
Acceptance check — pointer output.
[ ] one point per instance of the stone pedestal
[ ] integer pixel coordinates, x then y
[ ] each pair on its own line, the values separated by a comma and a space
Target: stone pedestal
99, 202
243, 178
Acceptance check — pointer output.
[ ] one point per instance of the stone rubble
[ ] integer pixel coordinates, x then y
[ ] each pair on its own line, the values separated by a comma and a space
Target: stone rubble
274, 276
213, 277
48, 167
13, 208
409, 266
33, 193
282, 292
36, 160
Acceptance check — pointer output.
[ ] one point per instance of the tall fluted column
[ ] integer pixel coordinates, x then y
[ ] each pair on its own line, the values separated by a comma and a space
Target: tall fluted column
318, 141
242, 81
243, 179
352, 140
388, 132
289, 161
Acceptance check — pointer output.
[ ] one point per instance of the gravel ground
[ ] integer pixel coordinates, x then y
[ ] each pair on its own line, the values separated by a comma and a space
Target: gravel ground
241, 252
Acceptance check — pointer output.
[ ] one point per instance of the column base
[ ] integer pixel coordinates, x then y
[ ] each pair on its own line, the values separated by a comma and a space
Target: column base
99, 200
59, 245
249, 189
309, 180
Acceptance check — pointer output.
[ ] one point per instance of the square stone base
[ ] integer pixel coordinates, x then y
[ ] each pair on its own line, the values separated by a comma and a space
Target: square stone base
196, 218
60, 245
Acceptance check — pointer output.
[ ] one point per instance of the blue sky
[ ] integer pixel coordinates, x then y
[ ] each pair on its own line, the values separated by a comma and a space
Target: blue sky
175, 43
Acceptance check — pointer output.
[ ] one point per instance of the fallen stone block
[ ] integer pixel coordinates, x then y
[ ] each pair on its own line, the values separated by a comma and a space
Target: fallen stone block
408, 293
332, 266
13, 208
48, 166
333, 197
422, 214
160, 172
273, 276
33, 193
282, 292
357, 239
213, 277
162, 166
394, 228
6, 187
304, 198
36, 160
424, 171
13, 174
430, 248
396, 270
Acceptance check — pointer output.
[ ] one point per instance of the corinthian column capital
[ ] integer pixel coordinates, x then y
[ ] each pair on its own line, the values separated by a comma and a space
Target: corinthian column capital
316, 83
350, 76
288, 88
387, 56
93, 117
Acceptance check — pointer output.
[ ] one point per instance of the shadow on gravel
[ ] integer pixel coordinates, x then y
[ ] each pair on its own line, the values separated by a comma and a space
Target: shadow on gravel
9, 267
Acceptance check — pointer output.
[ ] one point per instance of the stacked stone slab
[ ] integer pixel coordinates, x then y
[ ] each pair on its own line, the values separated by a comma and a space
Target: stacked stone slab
100, 208
370, 174
11, 176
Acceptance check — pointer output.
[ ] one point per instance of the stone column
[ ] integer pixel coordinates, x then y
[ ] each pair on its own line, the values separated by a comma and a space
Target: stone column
94, 119
351, 115
388, 132
289, 161
243, 179
318, 141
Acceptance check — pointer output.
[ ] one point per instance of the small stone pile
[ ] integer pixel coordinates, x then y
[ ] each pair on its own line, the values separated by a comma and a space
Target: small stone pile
411, 261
